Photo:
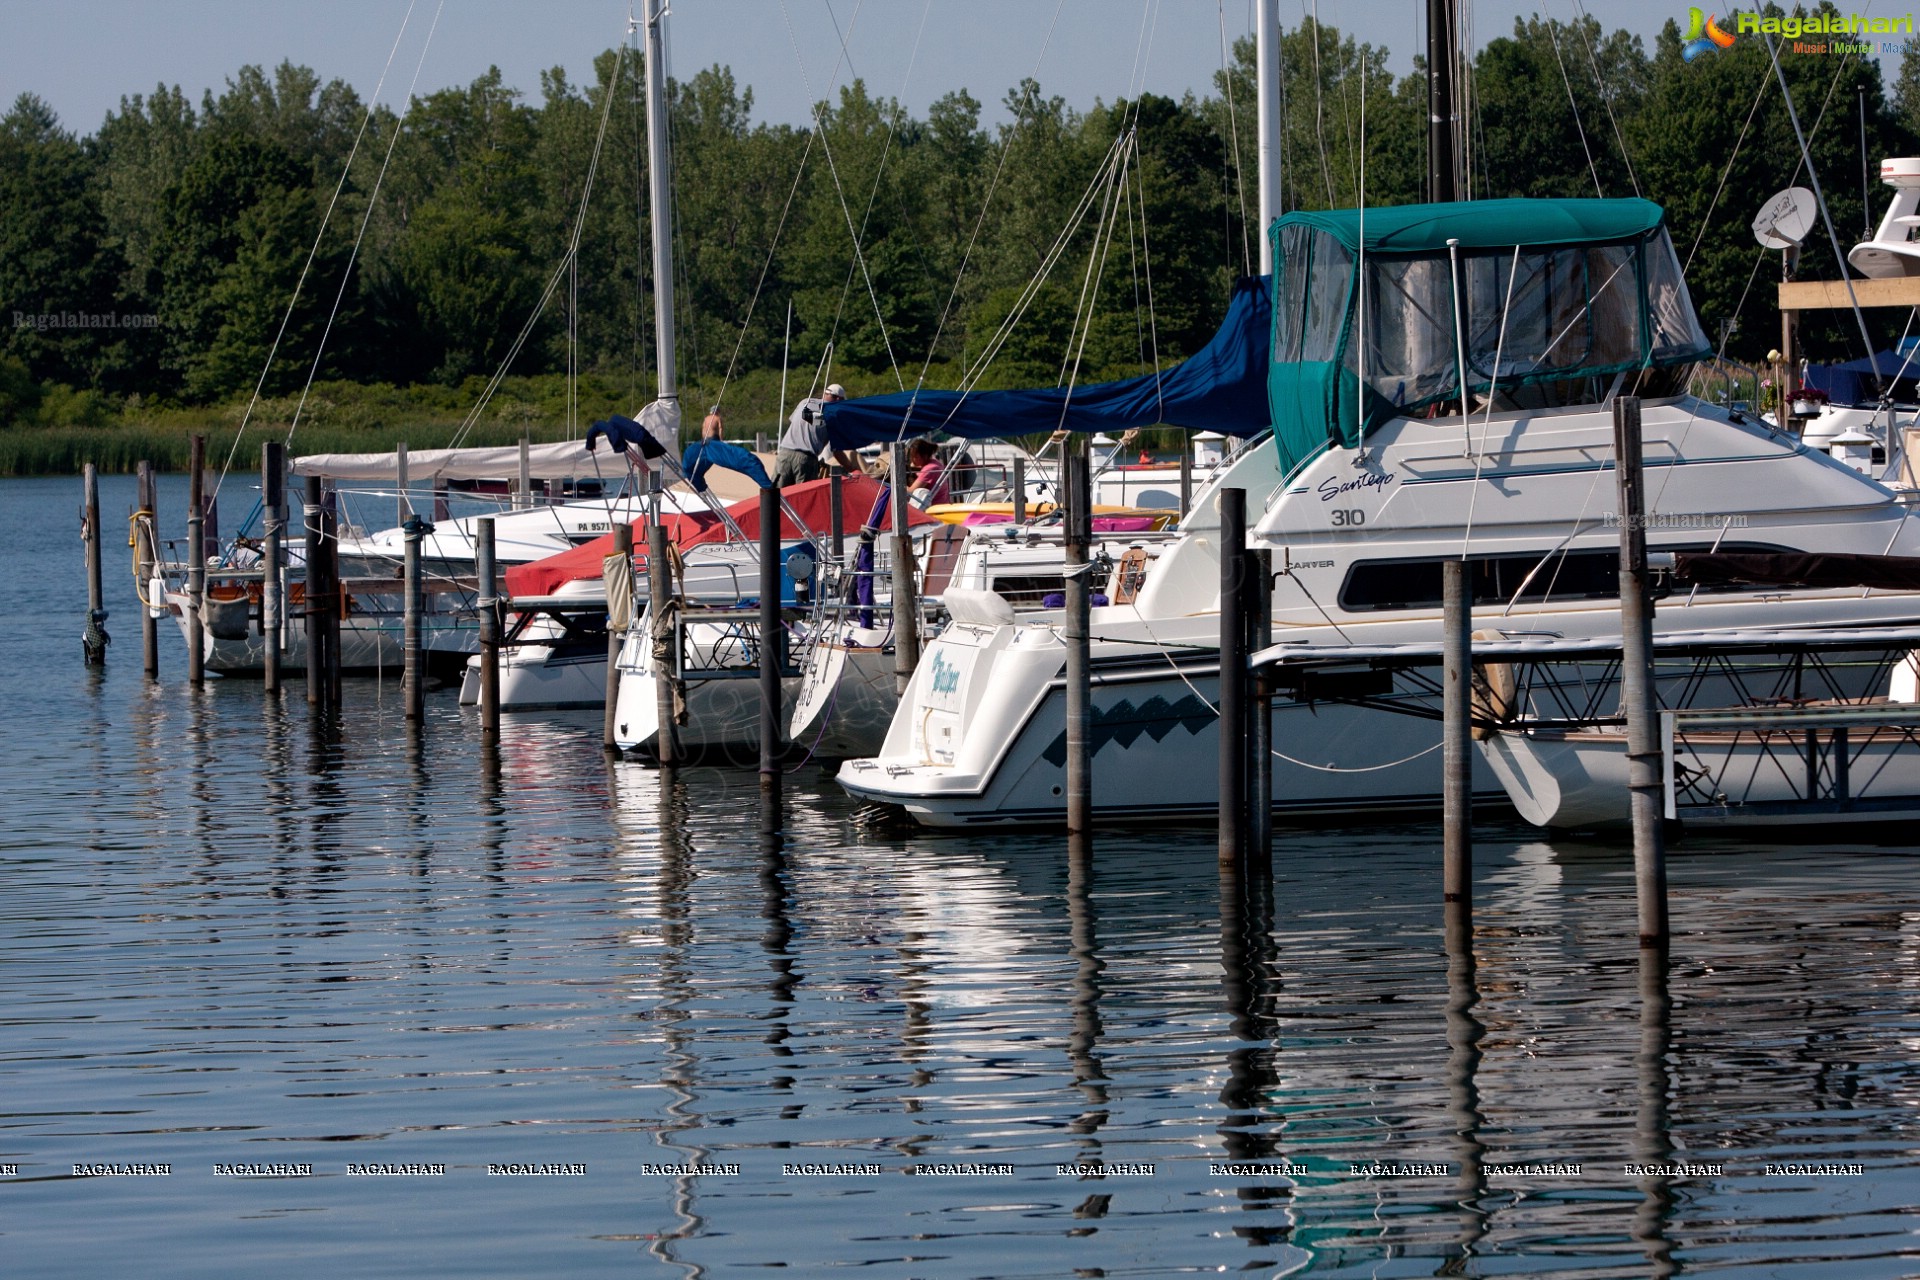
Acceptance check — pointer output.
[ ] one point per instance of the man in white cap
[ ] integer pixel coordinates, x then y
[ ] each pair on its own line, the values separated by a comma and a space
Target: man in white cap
805, 438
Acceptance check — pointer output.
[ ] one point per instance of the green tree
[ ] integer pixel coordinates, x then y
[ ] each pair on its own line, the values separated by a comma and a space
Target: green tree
51, 258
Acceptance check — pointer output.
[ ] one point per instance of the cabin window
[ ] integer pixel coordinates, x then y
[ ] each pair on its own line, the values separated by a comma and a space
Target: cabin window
1027, 591
1531, 578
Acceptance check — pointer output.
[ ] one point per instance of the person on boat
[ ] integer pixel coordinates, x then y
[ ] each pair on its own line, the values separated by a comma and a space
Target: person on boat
712, 451
805, 439
930, 485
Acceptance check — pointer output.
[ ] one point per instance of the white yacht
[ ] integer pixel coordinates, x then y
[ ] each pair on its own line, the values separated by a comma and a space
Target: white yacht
1372, 478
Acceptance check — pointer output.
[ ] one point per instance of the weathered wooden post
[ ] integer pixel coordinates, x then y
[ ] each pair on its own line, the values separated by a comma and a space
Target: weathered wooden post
773, 639
94, 640
487, 587
619, 616
1233, 675
837, 512
273, 519
1077, 629
1646, 791
906, 603
524, 495
196, 559
334, 606
660, 609
1260, 737
413, 679
146, 554
313, 591
402, 507
1456, 750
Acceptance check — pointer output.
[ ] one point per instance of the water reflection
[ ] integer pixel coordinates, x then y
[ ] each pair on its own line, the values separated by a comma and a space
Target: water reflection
1083, 1041
1653, 1140
1464, 1034
1251, 1131
673, 1013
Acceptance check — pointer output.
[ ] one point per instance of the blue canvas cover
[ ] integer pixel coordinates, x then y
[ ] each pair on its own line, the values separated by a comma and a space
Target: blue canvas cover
1221, 387
1856, 382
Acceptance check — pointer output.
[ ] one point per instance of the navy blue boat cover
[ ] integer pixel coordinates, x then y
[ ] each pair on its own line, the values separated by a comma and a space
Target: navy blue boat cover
1221, 387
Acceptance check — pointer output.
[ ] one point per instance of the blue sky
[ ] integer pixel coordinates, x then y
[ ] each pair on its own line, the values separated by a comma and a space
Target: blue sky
82, 55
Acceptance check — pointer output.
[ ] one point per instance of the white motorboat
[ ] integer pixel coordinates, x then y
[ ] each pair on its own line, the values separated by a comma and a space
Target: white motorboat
370, 568
1361, 496
849, 688
1817, 764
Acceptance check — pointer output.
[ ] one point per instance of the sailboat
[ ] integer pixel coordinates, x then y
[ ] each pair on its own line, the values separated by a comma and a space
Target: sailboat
1440, 385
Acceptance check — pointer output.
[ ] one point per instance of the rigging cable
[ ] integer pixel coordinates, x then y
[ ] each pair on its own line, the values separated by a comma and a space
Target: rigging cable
559, 272
1605, 101
1574, 106
1233, 133
373, 200
325, 218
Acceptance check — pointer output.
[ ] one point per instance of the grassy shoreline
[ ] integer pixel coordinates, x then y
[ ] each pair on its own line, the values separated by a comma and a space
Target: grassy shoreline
345, 417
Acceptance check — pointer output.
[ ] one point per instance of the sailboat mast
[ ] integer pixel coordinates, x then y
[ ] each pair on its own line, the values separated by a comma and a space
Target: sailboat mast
1442, 110
659, 209
1266, 45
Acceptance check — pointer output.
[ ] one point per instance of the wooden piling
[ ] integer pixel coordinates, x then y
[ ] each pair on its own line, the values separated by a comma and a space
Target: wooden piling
402, 507
836, 508
196, 559
1233, 676
1019, 490
273, 520
1645, 789
335, 603
773, 639
906, 603
659, 607
146, 553
1077, 628
1456, 750
487, 574
1260, 735
523, 497
413, 676
322, 589
313, 586
616, 637
93, 641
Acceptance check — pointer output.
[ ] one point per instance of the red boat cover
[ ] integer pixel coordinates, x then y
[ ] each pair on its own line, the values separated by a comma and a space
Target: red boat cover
812, 502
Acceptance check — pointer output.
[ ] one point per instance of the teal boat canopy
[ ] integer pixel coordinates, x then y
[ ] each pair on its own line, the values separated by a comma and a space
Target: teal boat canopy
1550, 292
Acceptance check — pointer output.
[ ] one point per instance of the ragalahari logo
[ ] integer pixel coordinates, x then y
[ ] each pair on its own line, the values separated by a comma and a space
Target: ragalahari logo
1703, 35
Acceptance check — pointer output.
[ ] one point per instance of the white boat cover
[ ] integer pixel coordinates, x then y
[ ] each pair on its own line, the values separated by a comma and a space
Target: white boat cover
561, 460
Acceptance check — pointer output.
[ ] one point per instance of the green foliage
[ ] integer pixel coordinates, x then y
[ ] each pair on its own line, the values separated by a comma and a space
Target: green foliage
1105, 237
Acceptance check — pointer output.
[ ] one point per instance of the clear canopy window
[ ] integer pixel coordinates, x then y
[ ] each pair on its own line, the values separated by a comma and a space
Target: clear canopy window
1551, 291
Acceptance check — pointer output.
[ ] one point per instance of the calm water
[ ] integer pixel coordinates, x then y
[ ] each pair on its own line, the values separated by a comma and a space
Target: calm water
229, 940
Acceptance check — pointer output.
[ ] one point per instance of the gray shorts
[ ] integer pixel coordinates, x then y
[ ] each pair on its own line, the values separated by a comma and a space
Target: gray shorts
795, 466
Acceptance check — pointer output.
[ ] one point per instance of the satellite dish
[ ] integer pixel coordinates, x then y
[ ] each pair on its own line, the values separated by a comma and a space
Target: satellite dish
1785, 220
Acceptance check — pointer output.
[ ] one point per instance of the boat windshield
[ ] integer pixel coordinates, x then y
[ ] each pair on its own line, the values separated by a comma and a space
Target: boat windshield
1360, 338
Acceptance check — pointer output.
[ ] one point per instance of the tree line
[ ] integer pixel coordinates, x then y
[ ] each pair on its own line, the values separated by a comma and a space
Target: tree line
151, 263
